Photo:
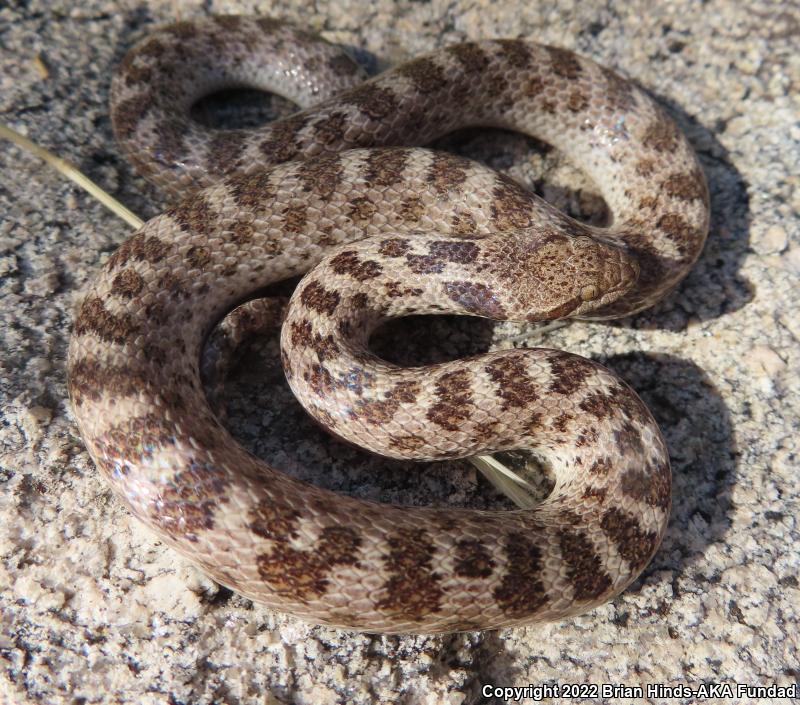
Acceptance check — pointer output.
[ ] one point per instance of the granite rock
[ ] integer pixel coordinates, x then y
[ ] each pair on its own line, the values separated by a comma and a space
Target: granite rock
95, 609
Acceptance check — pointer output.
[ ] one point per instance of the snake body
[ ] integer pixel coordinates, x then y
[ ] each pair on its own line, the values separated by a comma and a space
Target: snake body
393, 230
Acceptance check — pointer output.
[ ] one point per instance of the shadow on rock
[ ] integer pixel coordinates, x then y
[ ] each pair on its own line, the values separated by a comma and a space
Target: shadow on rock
697, 427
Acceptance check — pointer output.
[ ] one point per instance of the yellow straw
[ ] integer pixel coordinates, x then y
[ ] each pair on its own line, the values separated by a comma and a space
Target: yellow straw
72, 173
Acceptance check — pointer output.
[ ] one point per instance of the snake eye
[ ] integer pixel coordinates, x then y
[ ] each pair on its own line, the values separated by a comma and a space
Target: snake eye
589, 293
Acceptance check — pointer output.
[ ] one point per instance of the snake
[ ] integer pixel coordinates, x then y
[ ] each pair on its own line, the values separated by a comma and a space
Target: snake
344, 193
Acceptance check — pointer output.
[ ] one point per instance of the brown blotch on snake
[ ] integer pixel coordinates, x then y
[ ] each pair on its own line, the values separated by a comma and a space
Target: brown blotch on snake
250, 191
413, 588
618, 91
649, 487
635, 546
661, 135
589, 580
601, 466
295, 218
348, 263
454, 251
454, 399
577, 101
565, 63
688, 187
510, 208
474, 297
411, 209
628, 439
568, 374
330, 129
598, 405
514, 386
318, 298
362, 209
321, 176
473, 559
301, 549
95, 318
597, 494
425, 75
516, 52
140, 247
374, 102
463, 224
470, 56
446, 173
281, 144
305, 574
395, 247
127, 283
680, 231
226, 150
91, 379
375, 412
523, 587
385, 167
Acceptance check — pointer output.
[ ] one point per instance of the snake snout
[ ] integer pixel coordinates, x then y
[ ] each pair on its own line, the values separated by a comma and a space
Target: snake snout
603, 273
621, 273
561, 276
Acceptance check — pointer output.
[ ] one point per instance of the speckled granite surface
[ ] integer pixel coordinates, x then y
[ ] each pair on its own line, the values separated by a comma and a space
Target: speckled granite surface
94, 609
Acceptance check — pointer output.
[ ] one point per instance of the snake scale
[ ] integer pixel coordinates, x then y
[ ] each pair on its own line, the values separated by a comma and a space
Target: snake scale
393, 230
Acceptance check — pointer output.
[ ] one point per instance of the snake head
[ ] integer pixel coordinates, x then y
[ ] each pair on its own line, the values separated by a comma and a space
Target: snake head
557, 275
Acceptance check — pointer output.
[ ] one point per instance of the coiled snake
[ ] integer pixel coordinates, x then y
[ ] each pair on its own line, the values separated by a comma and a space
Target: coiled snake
443, 234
